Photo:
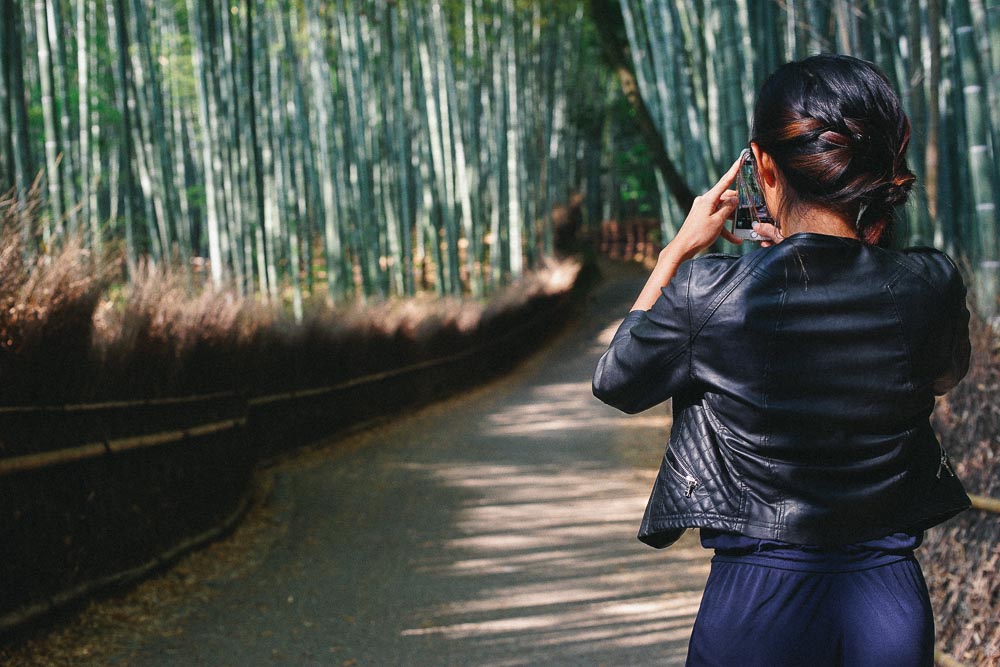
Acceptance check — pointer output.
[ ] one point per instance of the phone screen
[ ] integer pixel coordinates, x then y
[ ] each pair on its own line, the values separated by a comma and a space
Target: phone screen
750, 206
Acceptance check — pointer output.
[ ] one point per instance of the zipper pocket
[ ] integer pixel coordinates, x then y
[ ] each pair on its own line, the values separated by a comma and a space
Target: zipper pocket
691, 482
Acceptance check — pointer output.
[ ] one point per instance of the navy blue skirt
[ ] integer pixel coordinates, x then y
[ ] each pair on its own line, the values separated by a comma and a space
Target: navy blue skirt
769, 603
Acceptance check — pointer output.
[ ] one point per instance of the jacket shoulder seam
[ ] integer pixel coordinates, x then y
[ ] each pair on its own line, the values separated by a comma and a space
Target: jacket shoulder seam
909, 268
724, 294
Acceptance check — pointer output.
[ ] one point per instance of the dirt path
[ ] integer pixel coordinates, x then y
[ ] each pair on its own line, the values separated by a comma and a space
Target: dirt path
497, 528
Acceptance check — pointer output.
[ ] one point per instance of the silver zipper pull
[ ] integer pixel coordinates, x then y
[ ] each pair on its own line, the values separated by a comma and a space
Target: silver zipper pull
944, 464
691, 484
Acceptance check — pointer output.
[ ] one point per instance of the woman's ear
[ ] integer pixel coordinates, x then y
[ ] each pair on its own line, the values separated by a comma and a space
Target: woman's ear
766, 168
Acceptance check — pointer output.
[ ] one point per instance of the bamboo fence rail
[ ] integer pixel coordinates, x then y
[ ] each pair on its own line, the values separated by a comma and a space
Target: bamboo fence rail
90, 450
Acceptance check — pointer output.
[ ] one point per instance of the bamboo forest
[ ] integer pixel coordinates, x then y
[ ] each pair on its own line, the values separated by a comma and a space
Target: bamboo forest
378, 148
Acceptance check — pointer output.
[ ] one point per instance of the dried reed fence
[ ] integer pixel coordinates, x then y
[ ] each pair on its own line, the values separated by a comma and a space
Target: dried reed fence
132, 420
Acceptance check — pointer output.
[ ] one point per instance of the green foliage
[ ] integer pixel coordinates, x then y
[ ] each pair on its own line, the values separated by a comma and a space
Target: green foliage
637, 191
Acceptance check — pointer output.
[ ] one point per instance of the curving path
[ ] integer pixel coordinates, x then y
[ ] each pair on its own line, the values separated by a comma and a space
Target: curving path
497, 529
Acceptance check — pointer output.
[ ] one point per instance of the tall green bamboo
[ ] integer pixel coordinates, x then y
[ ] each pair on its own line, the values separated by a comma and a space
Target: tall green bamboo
238, 135
52, 173
515, 221
6, 143
15, 65
982, 159
205, 112
68, 157
321, 98
83, 46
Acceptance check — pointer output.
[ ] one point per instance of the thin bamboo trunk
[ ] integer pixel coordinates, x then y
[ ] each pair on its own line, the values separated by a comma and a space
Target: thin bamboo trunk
227, 123
404, 183
440, 204
54, 226
96, 136
155, 168
321, 97
463, 191
216, 261
123, 192
7, 179
175, 139
306, 173
472, 89
365, 232
262, 176
515, 249
287, 181
87, 202
14, 58
499, 249
65, 130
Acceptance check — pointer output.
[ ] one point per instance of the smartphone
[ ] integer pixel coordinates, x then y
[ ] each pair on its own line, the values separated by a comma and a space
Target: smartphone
750, 206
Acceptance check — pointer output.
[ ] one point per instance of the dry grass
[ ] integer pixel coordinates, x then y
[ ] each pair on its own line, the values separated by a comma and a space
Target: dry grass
46, 314
66, 337
962, 557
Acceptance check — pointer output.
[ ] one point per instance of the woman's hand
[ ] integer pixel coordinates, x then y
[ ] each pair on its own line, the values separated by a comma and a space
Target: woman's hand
704, 224
771, 234
706, 220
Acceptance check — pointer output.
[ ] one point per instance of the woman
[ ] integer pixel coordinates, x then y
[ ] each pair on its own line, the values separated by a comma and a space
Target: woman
803, 375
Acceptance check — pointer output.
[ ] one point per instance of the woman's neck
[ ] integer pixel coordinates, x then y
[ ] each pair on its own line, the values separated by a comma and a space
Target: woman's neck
819, 221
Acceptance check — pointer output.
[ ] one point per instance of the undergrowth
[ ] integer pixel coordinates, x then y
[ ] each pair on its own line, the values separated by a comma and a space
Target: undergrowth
66, 337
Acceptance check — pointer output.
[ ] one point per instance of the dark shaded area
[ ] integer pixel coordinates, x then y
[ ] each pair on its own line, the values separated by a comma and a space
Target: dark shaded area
607, 19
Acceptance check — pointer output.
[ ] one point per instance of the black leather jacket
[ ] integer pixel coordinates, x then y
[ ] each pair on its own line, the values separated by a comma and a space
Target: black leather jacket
802, 377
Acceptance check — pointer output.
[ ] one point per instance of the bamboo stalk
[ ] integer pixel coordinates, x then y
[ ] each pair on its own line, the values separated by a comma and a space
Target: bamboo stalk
212, 222
14, 59
52, 173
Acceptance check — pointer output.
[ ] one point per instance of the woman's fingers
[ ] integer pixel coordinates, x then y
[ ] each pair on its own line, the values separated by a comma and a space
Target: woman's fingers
725, 210
729, 197
706, 220
727, 179
728, 235
768, 232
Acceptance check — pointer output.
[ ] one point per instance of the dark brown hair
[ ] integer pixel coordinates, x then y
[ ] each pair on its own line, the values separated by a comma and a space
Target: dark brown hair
837, 132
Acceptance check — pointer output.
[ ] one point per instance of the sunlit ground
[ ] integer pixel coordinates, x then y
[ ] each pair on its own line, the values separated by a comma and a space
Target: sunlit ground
559, 569
560, 576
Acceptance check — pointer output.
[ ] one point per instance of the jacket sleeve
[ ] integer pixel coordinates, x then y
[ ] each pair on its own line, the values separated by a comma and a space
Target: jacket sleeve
955, 348
649, 358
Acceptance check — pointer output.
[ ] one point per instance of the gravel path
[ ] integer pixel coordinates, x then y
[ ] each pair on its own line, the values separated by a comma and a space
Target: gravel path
497, 528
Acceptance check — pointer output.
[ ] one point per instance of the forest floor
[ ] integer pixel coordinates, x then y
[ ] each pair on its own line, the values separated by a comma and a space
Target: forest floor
496, 528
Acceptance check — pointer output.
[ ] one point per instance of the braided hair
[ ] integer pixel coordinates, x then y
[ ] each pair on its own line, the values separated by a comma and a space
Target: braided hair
838, 134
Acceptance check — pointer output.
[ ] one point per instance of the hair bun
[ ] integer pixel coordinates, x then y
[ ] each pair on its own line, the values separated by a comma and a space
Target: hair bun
897, 191
837, 133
